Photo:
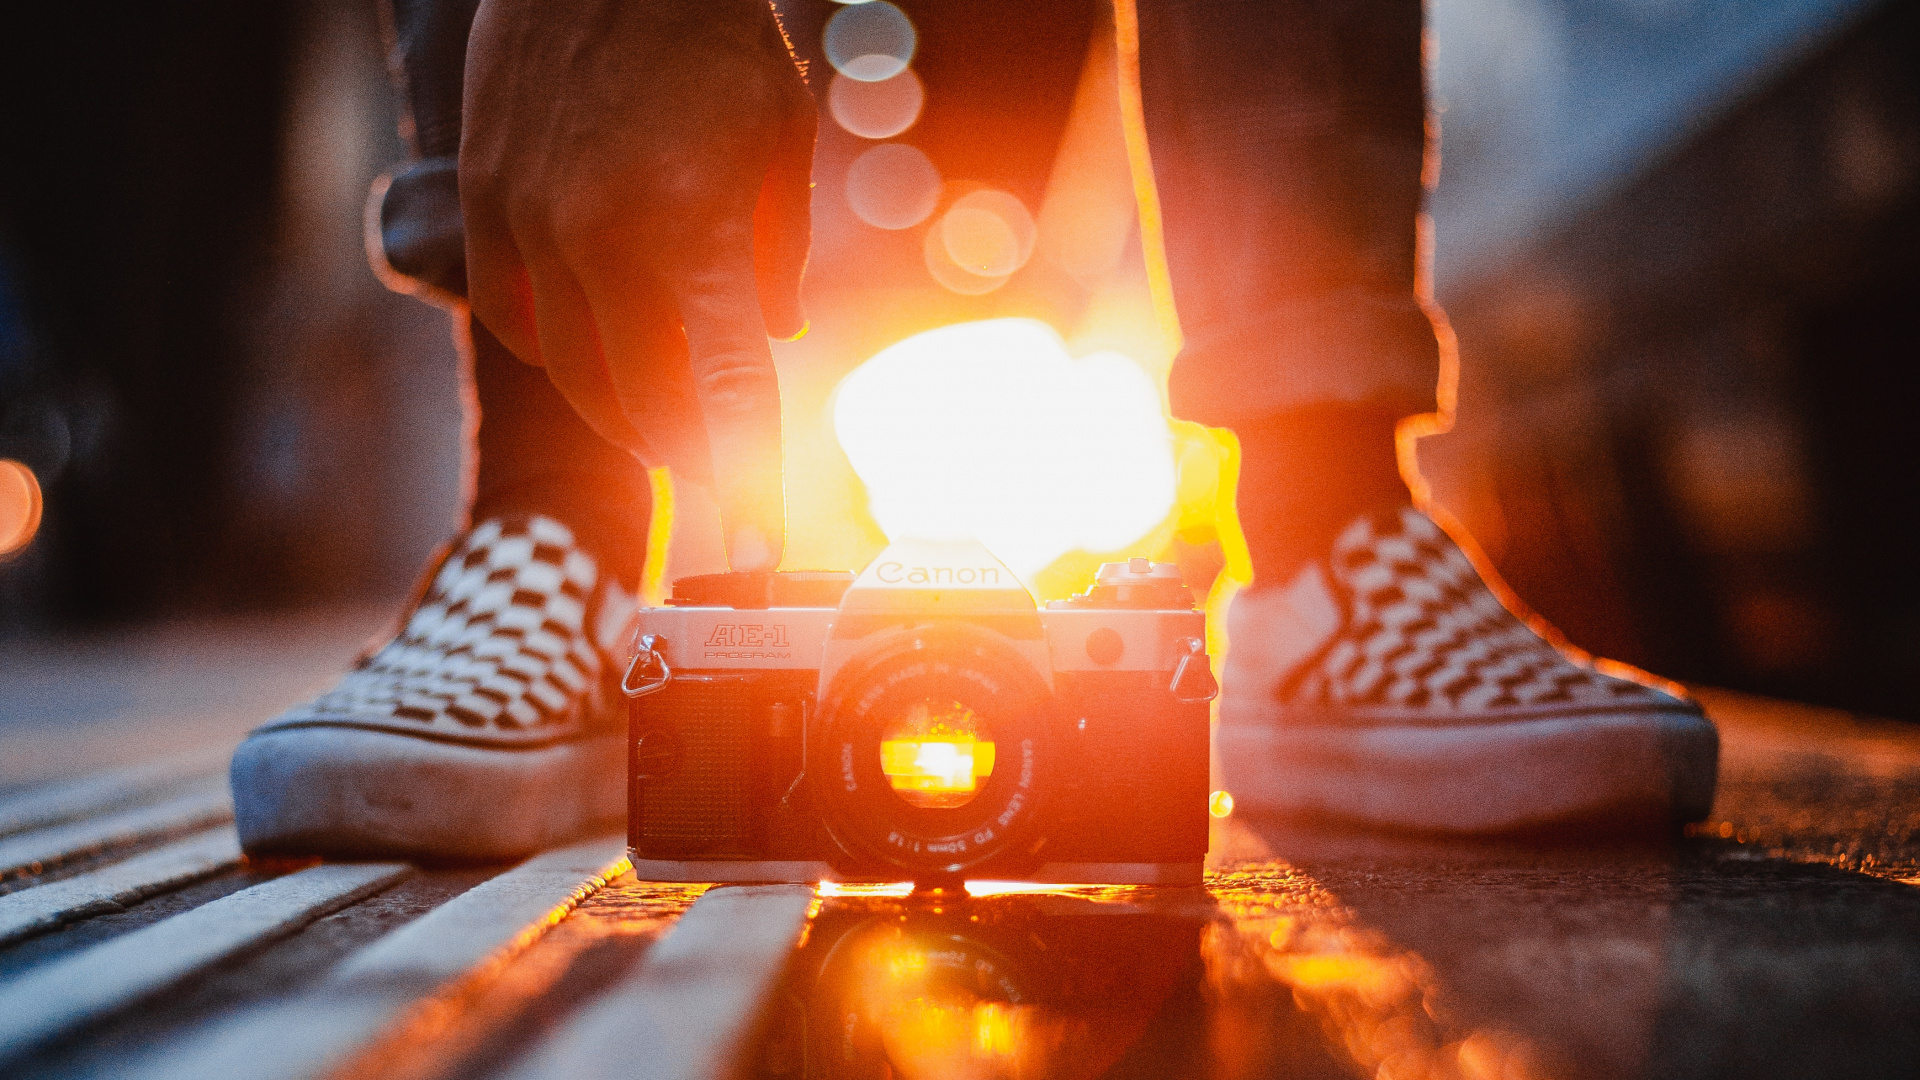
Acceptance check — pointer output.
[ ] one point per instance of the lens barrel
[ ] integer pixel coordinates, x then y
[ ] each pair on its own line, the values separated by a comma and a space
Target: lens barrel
906, 677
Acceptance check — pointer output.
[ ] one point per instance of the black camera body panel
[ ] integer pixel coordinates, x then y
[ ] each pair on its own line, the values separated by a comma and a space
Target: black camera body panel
706, 761
759, 746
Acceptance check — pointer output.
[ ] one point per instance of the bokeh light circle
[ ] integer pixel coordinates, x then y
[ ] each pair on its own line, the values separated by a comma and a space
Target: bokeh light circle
893, 186
951, 274
870, 42
876, 110
980, 240
988, 233
19, 506
1220, 803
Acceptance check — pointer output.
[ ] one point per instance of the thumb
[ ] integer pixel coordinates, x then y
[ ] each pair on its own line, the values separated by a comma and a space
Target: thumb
783, 223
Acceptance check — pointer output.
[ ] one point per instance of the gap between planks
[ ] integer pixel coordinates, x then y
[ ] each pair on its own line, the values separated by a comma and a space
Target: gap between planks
56, 804
315, 1032
47, 907
67, 993
689, 1010
204, 804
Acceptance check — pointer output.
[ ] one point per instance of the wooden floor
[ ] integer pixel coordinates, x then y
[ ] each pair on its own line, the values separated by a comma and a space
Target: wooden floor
1782, 938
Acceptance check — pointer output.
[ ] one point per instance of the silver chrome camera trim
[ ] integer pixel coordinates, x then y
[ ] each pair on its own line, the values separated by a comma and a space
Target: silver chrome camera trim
1152, 639
795, 639
739, 639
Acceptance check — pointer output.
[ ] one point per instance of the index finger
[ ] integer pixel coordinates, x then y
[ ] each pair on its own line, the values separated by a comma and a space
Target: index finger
739, 392
729, 369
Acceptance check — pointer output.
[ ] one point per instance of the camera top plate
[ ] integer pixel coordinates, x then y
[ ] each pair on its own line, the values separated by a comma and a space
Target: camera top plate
927, 578
754, 590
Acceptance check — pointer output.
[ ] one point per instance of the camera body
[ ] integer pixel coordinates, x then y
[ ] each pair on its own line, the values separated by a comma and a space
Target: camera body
923, 720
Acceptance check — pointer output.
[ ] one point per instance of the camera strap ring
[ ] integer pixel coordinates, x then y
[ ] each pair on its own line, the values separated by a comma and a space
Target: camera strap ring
649, 666
1204, 687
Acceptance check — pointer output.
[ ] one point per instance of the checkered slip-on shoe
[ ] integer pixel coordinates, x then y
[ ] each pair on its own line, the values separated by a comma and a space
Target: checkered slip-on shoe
1390, 686
488, 728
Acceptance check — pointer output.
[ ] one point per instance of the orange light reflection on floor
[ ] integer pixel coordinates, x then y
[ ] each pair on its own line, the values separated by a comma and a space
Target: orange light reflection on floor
19, 506
984, 888
1379, 1004
441, 1035
864, 888
1099, 894
1013, 888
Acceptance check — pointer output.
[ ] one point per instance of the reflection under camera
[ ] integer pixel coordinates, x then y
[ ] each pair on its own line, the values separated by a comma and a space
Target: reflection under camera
1263, 974
944, 987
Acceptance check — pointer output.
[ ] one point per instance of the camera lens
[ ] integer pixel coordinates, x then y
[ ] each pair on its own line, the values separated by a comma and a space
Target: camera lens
937, 754
936, 747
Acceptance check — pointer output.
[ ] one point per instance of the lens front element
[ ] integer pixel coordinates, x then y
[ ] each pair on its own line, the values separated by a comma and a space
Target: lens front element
934, 756
932, 751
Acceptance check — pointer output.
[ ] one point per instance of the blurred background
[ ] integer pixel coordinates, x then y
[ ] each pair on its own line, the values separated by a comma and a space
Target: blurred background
1677, 239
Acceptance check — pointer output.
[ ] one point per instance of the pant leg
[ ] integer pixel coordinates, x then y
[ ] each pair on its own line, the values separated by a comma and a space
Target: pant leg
1287, 140
420, 226
532, 452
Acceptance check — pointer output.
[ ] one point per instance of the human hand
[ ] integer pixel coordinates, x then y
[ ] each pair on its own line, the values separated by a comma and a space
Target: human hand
634, 176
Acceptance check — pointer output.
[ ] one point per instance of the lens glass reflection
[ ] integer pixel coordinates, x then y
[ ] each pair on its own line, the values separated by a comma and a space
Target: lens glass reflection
935, 756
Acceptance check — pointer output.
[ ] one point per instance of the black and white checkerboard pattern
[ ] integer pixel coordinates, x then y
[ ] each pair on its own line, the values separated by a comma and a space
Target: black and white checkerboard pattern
501, 642
1423, 631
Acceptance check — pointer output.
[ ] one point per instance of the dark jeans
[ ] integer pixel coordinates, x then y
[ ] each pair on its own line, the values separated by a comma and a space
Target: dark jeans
1288, 141
1288, 138
530, 452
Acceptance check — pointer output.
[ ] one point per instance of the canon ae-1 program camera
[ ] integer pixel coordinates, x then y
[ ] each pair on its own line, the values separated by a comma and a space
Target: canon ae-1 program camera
923, 721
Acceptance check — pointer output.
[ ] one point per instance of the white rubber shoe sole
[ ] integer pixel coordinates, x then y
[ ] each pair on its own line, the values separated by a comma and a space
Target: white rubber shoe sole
1651, 769
346, 791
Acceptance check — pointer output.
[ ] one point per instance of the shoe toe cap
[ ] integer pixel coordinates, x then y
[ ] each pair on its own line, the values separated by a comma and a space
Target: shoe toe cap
354, 792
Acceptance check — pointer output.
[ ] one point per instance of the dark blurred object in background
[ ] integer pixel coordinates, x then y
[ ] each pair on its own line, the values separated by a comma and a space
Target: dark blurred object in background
1687, 433
223, 407
136, 198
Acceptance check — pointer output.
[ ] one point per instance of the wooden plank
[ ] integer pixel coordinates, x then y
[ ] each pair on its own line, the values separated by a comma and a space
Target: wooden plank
50, 1000
204, 805
46, 907
97, 794
501, 913
688, 1011
314, 1033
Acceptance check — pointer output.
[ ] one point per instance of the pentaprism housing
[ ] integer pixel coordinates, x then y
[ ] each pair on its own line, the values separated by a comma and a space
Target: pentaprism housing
923, 720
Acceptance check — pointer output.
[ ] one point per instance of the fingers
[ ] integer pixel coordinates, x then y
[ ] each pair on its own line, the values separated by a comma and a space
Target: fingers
570, 344
739, 395
646, 359
783, 222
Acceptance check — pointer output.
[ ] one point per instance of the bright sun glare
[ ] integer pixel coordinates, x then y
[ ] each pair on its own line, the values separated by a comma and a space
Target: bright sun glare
991, 431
